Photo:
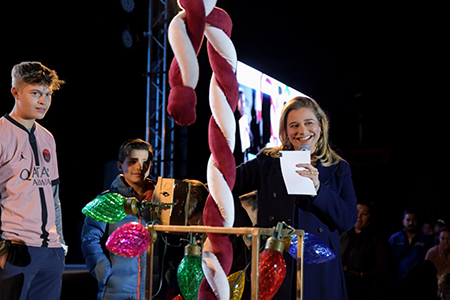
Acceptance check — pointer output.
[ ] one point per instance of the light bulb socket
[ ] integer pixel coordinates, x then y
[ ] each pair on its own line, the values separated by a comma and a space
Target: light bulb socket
192, 249
287, 240
153, 234
130, 206
275, 244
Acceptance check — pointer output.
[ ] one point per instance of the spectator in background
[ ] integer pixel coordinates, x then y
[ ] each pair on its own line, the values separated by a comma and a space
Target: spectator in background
444, 286
409, 246
437, 230
439, 255
366, 258
427, 228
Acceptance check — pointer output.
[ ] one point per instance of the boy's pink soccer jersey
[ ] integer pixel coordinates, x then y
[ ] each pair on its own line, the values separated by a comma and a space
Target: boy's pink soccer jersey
28, 171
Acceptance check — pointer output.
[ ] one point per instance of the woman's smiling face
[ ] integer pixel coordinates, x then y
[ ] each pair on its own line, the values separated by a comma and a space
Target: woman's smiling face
303, 127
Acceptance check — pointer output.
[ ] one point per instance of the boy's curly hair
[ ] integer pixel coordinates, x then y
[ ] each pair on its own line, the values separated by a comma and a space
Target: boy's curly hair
33, 72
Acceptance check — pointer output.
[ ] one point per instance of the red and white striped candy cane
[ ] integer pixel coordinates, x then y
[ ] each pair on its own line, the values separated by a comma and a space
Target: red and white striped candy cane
185, 37
219, 209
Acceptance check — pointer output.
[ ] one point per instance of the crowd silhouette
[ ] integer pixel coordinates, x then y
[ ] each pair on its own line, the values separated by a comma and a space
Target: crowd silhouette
412, 263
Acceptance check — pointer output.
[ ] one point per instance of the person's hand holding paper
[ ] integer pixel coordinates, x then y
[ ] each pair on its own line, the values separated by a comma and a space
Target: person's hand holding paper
295, 183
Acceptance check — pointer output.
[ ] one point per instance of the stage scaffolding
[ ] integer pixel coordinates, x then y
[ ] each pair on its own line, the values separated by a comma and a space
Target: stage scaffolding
159, 125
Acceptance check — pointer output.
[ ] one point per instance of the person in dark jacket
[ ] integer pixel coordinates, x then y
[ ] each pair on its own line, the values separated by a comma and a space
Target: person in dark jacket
409, 246
333, 209
121, 277
366, 257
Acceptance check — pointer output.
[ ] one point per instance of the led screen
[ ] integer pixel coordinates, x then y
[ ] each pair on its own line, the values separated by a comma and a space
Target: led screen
261, 99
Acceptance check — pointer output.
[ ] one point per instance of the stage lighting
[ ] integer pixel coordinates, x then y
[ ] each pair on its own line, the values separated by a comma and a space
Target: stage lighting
127, 38
127, 5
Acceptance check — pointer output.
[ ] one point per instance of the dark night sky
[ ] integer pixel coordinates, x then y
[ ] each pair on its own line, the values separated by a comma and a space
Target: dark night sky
371, 65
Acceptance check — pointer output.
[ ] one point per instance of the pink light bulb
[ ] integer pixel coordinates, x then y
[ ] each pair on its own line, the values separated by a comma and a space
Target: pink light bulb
129, 240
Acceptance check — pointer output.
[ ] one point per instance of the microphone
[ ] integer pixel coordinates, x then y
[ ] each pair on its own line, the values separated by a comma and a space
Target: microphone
303, 147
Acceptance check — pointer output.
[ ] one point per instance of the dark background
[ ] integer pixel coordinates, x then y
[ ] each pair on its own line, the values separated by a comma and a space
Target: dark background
374, 68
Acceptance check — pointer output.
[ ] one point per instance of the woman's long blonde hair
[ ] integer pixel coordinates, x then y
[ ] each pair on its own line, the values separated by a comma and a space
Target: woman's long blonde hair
323, 151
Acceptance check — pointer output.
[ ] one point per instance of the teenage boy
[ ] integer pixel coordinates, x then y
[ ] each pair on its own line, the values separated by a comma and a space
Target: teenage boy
31, 240
121, 277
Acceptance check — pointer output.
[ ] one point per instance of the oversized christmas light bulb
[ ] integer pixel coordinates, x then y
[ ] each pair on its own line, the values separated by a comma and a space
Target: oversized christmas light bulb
314, 249
272, 267
237, 284
106, 208
129, 240
190, 273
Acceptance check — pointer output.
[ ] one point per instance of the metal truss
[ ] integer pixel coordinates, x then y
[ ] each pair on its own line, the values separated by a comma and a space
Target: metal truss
159, 125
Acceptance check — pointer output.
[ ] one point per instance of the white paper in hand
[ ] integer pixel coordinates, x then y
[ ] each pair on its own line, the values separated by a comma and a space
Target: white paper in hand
296, 184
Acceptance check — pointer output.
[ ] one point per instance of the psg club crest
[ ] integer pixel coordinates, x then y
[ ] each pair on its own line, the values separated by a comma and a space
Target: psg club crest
46, 155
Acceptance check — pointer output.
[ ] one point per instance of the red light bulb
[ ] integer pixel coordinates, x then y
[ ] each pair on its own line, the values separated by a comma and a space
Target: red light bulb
272, 267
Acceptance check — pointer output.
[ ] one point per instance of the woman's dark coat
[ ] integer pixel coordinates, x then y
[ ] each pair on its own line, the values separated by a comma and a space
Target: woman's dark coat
332, 210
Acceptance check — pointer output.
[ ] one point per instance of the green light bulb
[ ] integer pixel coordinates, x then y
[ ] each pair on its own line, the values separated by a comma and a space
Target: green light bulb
190, 273
107, 208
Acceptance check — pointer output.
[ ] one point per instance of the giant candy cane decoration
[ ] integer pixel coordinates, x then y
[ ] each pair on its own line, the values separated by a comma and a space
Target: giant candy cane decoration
185, 36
